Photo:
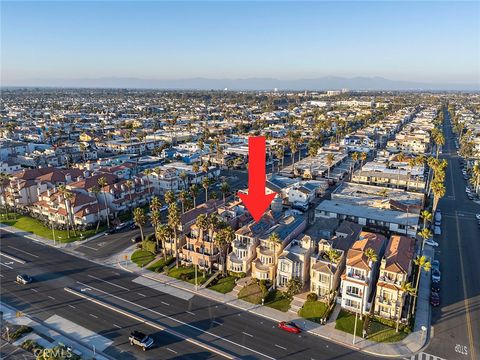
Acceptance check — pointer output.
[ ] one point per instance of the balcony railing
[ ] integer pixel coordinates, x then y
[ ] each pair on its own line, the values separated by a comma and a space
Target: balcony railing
357, 277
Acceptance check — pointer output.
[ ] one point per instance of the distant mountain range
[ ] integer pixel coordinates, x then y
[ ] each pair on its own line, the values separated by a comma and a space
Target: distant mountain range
321, 83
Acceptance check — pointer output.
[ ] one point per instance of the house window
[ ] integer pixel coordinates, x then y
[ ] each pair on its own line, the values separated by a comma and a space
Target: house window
323, 278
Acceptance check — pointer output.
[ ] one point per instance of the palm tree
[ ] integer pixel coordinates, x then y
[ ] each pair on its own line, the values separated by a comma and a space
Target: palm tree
140, 219
155, 218
173, 222
213, 226
333, 256
129, 186
164, 232
195, 169
223, 239
202, 225
280, 153
371, 255
67, 196
355, 156
425, 234
194, 191
4, 182
95, 191
406, 288
330, 157
183, 196
476, 176
423, 264
206, 185
426, 216
102, 182
169, 197
225, 189
438, 189
183, 175
274, 240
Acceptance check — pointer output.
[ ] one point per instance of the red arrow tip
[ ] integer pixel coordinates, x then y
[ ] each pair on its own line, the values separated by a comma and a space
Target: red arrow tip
257, 204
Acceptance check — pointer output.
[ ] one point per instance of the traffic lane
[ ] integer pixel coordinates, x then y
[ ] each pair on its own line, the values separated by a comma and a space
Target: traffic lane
109, 324
83, 270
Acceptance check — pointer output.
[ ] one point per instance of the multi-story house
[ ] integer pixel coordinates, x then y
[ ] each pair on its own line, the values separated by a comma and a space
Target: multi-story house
240, 259
294, 262
324, 273
287, 228
395, 268
358, 281
200, 248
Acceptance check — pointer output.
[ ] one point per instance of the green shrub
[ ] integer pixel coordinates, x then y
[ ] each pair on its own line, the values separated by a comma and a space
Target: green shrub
150, 246
393, 324
31, 345
312, 297
150, 237
237, 275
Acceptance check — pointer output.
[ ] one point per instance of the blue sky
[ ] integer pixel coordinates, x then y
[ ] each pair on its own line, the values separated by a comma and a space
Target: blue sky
419, 41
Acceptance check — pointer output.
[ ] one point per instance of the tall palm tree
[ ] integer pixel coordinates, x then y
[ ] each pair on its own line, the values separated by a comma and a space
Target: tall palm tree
333, 256
438, 189
4, 183
183, 197
274, 241
194, 191
173, 222
223, 239
225, 189
426, 216
155, 218
169, 197
95, 191
371, 255
206, 185
183, 175
425, 234
280, 153
330, 157
476, 176
164, 232
102, 182
129, 186
67, 197
406, 288
422, 263
140, 220
202, 225
213, 225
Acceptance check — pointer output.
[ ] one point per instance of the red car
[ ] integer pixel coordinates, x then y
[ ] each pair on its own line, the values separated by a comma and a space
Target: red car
290, 327
435, 299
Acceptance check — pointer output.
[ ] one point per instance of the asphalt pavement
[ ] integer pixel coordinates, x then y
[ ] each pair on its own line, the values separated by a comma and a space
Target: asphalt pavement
241, 334
457, 321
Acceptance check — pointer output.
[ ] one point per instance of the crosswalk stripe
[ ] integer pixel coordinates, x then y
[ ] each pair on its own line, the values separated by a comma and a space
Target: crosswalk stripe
425, 356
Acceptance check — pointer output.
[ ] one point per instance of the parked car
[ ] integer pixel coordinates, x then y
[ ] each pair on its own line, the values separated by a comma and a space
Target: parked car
123, 225
289, 327
437, 230
438, 223
435, 299
431, 243
438, 215
140, 339
436, 265
110, 231
136, 239
477, 216
435, 287
436, 275
24, 279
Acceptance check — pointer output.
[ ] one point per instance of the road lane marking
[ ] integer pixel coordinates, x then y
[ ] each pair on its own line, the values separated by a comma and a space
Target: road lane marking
216, 322
89, 247
189, 312
23, 251
20, 261
1, 275
164, 303
117, 326
171, 350
142, 295
73, 307
51, 297
170, 318
6, 265
280, 347
244, 333
94, 316
35, 290
465, 295
108, 282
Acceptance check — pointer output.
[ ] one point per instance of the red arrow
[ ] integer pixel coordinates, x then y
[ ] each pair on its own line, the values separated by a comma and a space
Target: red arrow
256, 200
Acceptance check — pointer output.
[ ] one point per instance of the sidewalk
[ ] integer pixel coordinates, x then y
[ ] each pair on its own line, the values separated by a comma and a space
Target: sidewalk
413, 343
43, 333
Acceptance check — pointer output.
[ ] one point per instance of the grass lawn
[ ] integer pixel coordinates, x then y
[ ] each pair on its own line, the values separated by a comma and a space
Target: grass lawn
161, 263
251, 293
346, 322
187, 273
142, 257
382, 333
224, 285
278, 300
313, 311
27, 223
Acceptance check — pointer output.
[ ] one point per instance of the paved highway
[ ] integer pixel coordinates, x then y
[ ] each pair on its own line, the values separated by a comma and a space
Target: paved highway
241, 334
457, 321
